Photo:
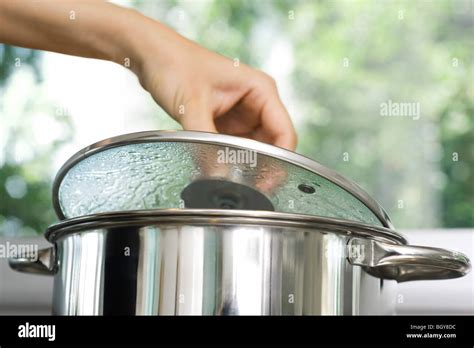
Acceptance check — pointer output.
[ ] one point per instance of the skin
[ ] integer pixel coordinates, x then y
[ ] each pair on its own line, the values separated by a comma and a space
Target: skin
202, 90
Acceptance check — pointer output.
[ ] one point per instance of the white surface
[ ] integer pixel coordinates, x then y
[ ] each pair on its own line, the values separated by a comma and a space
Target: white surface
24, 294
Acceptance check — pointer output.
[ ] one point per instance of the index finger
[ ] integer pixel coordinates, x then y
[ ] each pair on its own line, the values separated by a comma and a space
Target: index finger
276, 123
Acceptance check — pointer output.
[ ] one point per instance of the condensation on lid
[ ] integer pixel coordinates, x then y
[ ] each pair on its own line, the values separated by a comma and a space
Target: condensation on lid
153, 175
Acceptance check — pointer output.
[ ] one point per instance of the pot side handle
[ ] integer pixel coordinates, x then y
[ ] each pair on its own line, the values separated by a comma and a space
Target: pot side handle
406, 262
44, 263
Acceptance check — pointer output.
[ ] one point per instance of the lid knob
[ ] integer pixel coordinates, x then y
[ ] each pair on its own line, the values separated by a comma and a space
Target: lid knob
223, 194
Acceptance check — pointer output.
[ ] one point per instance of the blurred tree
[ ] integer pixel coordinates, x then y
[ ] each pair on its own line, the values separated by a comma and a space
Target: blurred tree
25, 183
12, 58
457, 134
355, 55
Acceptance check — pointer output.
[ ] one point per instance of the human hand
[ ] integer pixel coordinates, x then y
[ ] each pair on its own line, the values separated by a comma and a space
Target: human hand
205, 91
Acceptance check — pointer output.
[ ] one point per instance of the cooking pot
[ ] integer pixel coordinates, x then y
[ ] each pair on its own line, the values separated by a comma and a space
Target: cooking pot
170, 223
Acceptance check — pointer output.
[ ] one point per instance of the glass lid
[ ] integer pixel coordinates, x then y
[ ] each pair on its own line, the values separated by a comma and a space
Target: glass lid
197, 170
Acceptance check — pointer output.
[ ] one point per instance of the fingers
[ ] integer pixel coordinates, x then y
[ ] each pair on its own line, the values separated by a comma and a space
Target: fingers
276, 122
234, 122
196, 116
258, 114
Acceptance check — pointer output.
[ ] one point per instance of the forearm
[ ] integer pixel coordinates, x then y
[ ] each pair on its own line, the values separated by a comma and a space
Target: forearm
93, 29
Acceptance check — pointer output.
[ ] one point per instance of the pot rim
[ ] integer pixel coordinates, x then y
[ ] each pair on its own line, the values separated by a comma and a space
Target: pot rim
218, 217
219, 139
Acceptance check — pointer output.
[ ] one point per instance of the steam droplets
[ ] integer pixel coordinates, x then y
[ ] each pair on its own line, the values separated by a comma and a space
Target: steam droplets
153, 175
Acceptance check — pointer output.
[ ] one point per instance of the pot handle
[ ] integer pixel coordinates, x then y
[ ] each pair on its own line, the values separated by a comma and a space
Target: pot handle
406, 262
44, 263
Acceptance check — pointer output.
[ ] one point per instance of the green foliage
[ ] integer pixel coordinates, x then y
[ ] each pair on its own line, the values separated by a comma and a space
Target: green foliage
25, 184
32, 212
405, 52
11, 56
457, 134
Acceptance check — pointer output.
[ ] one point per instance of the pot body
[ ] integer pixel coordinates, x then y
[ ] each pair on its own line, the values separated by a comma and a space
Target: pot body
205, 269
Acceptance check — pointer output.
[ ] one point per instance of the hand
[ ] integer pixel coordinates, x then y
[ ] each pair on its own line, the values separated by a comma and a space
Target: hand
205, 91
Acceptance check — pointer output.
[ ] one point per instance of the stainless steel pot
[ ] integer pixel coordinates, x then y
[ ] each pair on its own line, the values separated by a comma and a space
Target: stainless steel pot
217, 262
199, 223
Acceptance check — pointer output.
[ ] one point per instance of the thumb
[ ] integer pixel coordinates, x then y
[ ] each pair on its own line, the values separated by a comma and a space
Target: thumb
196, 116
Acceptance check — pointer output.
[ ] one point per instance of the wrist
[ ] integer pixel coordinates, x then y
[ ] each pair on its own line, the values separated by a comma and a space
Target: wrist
141, 40
126, 40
